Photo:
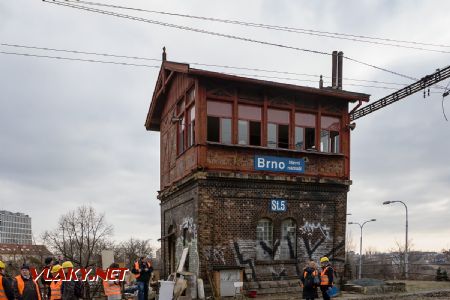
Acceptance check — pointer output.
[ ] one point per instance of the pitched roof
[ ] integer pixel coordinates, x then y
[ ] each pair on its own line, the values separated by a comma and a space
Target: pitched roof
154, 114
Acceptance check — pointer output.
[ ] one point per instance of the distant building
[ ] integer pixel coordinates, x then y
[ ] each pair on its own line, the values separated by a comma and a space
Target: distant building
15, 228
14, 253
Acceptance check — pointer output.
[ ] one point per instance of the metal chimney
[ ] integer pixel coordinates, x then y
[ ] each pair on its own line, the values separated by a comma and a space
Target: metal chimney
340, 69
334, 59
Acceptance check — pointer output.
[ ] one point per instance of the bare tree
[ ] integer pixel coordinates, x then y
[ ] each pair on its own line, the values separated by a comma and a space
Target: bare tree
80, 236
130, 250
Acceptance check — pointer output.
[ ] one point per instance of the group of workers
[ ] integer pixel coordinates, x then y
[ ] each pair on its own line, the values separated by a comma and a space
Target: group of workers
313, 278
24, 287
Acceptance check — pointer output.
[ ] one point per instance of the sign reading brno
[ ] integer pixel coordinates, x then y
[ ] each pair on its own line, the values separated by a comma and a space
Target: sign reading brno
279, 164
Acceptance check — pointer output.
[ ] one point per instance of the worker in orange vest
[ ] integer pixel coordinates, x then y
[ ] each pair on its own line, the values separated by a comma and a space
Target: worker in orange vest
112, 287
55, 285
142, 270
6, 291
326, 277
25, 288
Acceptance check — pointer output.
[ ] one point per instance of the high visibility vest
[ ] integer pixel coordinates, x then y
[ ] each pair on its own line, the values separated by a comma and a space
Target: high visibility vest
21, 286
324, 280
2, 290
314, 274
111, 288
55, 290
138, 269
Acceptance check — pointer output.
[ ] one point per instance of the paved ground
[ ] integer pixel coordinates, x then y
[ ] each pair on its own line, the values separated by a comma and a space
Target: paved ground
417, 290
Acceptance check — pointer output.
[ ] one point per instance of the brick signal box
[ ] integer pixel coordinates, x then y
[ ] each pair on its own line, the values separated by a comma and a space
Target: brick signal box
254, 174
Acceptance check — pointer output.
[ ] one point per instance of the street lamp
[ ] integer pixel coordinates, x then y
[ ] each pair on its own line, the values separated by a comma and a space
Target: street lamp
360, 242
406, 239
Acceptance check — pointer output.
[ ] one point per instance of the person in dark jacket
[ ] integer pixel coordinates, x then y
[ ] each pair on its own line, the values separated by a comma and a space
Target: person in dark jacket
142, 270
6, 290
70, 289
310, 281
326, 277
25, 288
49, 262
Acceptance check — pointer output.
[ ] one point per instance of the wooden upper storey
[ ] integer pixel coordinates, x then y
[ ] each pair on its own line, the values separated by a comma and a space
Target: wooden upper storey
219, 122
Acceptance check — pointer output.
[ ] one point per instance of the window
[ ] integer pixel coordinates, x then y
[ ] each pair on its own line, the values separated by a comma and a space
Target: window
264, 239
191, 126
305, 133
181, 127
329, 134
278, 128
249, 125
288, 245
219, 122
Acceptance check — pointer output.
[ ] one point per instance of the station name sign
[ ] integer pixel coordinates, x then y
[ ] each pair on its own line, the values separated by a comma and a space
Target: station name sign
279, 164
278, 205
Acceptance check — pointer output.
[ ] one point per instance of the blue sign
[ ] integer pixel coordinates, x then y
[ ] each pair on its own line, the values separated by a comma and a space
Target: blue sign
278, 205
279, 164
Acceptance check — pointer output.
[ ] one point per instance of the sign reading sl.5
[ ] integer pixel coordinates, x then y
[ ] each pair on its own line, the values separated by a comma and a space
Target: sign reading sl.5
278, 205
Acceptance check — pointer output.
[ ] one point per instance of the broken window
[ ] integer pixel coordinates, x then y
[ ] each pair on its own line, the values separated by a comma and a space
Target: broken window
249, 125
264, 239
288, 245
305, 137
329, 134
277, 128
219, 122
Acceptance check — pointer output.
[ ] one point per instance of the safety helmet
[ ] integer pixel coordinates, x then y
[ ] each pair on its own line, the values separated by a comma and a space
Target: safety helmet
2, 265
67, 264
56, 268
324, 259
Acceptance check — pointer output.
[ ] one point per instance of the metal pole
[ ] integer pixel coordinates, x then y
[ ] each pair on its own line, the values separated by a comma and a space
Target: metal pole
360, 253
406, 244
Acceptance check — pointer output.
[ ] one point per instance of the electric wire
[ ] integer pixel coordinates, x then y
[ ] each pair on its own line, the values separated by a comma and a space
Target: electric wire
442, 102
187, 28
193, 63
335, 35
78, 59
151, 66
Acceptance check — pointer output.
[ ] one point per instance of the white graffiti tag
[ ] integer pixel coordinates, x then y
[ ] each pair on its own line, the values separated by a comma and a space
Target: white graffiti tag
310, 228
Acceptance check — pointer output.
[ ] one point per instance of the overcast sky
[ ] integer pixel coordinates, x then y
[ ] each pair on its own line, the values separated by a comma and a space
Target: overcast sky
73, 133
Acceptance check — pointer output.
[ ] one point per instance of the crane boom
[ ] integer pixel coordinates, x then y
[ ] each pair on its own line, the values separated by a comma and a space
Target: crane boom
423, 83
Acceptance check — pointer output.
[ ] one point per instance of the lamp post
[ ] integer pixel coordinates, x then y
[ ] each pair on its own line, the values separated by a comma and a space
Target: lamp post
360, 243
406, 236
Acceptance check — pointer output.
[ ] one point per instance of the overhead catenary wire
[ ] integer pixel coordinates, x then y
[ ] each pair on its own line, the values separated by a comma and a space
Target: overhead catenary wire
78, 59
187, 28
193, 63
150, 66
334, 35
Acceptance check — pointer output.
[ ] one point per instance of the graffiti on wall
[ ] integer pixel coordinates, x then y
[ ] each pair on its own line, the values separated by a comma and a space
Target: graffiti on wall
214, 254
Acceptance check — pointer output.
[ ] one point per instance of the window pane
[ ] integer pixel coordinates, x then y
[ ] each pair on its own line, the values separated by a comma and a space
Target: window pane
271, 135
248, 112
180, 106
310, 138
305, 120
283, 136
213, 127
299, 138
264, 237
219, 109
225, 132
255, 133
191, 95
334, 135
288, 247
330, 123
324, 141
181, 128
278, 116
243, 132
